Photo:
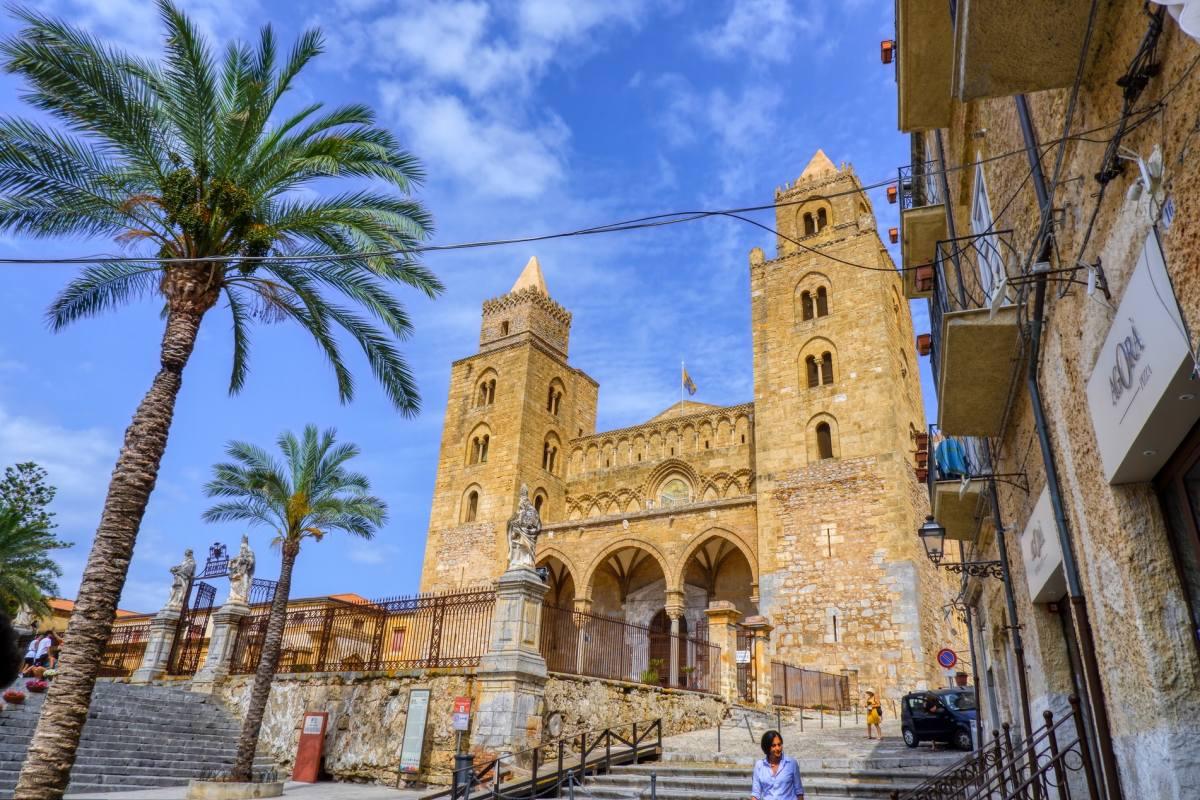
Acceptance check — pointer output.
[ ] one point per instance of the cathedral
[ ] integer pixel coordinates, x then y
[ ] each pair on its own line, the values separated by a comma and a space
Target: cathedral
800, 507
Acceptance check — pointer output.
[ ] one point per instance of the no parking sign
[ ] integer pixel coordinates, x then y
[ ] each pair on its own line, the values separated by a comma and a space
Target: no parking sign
947, 658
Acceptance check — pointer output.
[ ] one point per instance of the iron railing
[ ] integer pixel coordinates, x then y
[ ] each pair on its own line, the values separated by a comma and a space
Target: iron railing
124, 651
554, 768
1055, 763
419, 632
582, 643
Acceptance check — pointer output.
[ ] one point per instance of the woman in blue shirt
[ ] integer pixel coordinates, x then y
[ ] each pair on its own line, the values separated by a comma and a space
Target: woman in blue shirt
776, 777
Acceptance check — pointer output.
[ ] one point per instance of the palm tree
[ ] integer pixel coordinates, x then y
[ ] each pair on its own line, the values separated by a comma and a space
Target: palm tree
187, 159
28, 575
306, 497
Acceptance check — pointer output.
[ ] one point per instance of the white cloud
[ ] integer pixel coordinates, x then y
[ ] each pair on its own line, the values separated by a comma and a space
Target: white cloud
764, 30
496, 156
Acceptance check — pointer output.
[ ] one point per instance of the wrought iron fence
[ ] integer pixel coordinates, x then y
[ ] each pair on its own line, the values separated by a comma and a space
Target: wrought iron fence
123, 653
809, 688
1055, 763
581, 643
417, 632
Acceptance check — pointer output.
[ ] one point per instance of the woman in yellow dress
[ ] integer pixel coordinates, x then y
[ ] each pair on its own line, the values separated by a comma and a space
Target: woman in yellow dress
874, 716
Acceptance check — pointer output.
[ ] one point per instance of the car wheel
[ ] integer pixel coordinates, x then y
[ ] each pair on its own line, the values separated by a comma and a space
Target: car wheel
962, 739
910, 738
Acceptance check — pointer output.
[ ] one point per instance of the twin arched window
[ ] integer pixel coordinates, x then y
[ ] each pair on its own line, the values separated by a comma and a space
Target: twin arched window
814, 305
479, 449
486, 394
820, 373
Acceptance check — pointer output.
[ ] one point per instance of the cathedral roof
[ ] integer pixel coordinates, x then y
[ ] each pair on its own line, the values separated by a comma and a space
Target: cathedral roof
682, 409
531, 277
818, 164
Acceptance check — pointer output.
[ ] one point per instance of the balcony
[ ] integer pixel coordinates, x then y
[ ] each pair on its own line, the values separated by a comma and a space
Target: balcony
922, 226
957, 480
1005, 47
976, 336
924, 35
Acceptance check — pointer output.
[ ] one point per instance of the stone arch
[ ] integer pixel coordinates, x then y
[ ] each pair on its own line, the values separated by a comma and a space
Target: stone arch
468, 507
813, 437
478, 444
703, 538
621, 544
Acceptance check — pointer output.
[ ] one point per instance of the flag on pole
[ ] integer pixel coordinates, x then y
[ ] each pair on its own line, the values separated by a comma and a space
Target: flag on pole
688, 383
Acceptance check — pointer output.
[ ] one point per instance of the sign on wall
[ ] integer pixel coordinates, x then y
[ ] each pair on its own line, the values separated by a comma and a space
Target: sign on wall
1042, 551
414, 731
1141, 396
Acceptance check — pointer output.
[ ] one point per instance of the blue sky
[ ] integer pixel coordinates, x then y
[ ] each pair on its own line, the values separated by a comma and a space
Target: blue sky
530, 116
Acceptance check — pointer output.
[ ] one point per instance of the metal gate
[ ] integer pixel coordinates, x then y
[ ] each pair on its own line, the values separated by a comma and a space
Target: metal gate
747, 680
191, 632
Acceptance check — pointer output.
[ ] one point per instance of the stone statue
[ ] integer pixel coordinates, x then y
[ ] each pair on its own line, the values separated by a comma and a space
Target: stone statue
241, 573
523, 530
181, 579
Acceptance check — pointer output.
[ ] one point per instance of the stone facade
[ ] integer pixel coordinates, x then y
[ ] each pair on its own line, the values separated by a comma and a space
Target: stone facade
1136, 567
801, 506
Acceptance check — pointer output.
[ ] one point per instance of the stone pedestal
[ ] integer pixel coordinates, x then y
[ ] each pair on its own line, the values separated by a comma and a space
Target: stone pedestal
225, 624
722, 631
512, 674
158, 647
761, 629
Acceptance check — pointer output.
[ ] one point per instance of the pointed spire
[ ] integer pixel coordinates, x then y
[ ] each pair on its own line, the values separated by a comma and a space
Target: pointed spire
531, 276
818, 164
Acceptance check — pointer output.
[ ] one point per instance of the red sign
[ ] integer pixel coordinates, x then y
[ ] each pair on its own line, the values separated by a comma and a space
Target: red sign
947, 658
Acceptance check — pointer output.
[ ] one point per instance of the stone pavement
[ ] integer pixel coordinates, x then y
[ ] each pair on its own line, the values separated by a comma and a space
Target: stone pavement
301, 791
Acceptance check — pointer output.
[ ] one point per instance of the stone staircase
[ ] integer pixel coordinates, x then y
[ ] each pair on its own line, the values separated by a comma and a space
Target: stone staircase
677, 781
135, 737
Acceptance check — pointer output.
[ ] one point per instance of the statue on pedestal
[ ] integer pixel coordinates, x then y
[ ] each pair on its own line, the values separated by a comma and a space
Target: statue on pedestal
182, 574
523, 530
241, 573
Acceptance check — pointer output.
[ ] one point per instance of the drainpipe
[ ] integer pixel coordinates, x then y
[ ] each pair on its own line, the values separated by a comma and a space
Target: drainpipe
1078, 604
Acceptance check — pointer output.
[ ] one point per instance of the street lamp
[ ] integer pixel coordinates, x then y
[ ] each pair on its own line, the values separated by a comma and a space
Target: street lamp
933, 536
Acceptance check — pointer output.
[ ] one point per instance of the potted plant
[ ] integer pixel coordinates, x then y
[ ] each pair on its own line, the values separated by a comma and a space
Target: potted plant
14, 696
37, 686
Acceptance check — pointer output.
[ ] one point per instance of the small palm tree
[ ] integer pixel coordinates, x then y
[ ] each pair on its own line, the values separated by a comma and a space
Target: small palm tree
308, 495
28, 574
187, 160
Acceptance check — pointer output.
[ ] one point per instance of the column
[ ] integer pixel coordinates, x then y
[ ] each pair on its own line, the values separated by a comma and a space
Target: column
761, 630
722, 631
158, 646
674, 609
512, 674
225, 625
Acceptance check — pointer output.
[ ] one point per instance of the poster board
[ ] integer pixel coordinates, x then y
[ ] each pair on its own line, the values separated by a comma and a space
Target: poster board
413, 743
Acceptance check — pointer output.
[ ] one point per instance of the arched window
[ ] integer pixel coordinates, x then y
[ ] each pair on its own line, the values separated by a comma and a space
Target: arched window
822, 219
472, 506
814, 375
809, 226
822, 301
824, 441
826, 368
806, 305
675, 492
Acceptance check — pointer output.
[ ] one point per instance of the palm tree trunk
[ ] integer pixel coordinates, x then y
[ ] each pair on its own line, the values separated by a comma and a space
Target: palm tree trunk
264, 675
51, 753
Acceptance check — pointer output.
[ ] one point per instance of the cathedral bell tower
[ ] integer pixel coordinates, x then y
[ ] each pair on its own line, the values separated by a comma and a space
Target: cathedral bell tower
512, 408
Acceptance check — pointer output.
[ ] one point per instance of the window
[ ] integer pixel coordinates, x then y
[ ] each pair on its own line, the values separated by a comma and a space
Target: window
809, 226
675, 492
398, 640
824, 441
504, 328
822, 302
814, 375
472, 506
806, 305
826, 368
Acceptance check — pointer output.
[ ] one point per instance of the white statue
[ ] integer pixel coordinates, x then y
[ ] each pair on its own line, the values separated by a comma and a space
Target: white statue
181, 579
523, 530
241, 573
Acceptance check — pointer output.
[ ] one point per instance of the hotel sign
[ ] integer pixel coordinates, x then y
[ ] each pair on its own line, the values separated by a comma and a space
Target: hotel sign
1141, 396
1042, 552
